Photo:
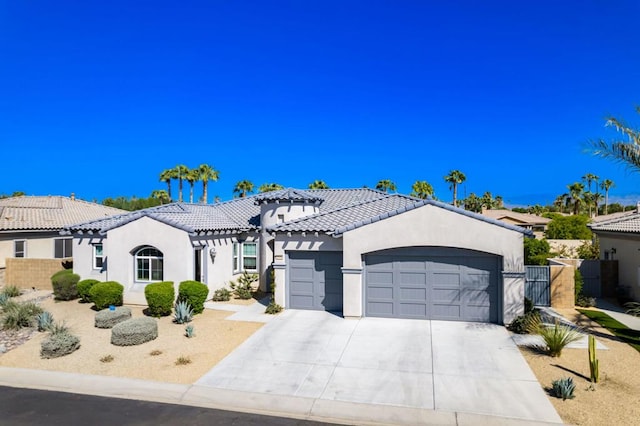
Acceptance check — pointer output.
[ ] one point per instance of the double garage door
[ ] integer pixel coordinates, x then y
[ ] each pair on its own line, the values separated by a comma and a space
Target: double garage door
432, 283
423, 283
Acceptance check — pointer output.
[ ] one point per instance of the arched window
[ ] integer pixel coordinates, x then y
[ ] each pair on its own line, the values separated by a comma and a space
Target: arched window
148, 261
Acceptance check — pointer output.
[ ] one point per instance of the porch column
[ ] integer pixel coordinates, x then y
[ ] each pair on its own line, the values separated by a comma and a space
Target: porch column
513, 295
352, 292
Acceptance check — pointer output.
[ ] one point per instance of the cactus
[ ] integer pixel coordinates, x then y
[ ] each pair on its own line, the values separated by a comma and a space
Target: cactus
563, 388
183, 313
593, 361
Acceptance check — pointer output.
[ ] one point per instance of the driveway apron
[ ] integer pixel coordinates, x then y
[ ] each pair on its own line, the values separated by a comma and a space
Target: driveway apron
450, 366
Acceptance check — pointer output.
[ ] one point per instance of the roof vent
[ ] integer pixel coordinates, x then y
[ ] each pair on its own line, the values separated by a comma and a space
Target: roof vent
73, 196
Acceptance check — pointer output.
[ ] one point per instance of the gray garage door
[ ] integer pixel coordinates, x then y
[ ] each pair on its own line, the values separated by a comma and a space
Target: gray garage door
315, 280
432, 283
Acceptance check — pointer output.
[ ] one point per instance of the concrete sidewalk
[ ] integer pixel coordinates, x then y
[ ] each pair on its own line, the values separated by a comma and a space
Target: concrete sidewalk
258, 403
618, 313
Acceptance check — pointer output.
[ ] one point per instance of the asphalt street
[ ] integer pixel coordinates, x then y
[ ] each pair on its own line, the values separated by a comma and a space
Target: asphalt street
35, 407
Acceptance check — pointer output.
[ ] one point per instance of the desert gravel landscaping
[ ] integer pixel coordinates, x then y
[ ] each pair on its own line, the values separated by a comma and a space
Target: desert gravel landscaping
615, 400
214, 338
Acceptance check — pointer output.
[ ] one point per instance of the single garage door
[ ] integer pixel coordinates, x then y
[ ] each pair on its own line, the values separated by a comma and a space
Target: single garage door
315, 280
432, 283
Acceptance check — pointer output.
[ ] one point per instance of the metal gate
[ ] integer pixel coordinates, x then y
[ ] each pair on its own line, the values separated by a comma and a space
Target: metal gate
537, 286
590, 270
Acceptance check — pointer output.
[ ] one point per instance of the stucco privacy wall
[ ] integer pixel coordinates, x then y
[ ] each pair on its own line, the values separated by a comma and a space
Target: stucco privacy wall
628, 256
434, 226
296, 241
39, 245
32, 273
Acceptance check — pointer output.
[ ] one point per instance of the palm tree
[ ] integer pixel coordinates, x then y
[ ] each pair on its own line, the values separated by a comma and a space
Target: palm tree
421, 189
161, 195
625, 152
386, 185
318, 184
181, 172
605, 185
243, 188
560, 202
455, 178
207, 173
268, 187
596, 198
192, 176
575, 195
590, 177
166, 177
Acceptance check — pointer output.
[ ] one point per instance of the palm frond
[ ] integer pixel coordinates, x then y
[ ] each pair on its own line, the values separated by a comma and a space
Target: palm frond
620, 152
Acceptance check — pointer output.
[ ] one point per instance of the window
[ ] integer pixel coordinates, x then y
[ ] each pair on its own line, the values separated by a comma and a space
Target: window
63, 248
148, 261
245, 257
20, 248
98, 256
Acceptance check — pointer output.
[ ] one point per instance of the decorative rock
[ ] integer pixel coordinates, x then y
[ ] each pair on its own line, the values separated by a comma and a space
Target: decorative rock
107, 318
134, 331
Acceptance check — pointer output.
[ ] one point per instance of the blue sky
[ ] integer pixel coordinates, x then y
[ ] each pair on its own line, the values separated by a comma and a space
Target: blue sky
98, 98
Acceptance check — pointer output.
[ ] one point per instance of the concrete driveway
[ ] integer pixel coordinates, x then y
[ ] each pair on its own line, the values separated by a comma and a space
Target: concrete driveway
435, 365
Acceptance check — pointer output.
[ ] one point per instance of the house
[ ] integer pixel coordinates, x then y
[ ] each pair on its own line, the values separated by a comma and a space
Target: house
31, 247
620, 240
536, 224
359, 252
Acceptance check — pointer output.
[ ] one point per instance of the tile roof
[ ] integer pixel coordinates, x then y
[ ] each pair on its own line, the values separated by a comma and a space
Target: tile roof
524, 218
339, 211
50, 212
626, 224
287, 194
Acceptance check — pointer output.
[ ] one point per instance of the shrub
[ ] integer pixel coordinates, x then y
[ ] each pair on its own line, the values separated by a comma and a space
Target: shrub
105, 294
563, 388
59, 328
44, 320
107, 358
65, 285
84, 287
579, 283
528, 305
221, 295
107, 318
11, 291
57, 345
160, 297
19, 315
585, 301
522, 323
633, 308
135, 331
195, 293
242, 288
155, 352
183, 313
556, 338
273, 308
183, 360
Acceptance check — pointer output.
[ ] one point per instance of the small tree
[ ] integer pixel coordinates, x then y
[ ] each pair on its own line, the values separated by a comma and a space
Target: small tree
568, 228
536, 252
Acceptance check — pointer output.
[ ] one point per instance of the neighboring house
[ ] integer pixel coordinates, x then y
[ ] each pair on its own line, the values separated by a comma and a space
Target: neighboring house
30, 242
359, 252
620, 240
536, 224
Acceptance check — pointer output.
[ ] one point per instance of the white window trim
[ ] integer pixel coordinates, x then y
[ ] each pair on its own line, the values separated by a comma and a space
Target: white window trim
95, 267
24, 249
151, 258
239, 266
54, 247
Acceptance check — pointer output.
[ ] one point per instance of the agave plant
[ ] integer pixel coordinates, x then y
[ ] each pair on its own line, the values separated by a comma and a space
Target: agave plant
189, 331
45, 321
563, 388
183, 313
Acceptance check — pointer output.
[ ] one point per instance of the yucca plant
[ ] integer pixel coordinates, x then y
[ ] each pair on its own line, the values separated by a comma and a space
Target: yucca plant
183, 313
555, 337
563, 388
44, 320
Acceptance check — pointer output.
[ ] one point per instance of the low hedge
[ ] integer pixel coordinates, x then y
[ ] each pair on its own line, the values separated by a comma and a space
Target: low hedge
107, 318
60, 344
160, 297
65, 285
105, 294
83, 289
194, 293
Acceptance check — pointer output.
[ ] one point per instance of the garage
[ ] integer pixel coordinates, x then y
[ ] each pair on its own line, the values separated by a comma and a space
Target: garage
315, 280
439, 283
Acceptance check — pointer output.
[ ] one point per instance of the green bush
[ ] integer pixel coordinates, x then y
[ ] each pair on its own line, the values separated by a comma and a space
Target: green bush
221, 295
194, 293
65, 285
160, 297
105, 294
579, 283
11, 291
522, 323
59, 344
273, 308
83, 289
555, 337
19, 315
536, 252
243, 286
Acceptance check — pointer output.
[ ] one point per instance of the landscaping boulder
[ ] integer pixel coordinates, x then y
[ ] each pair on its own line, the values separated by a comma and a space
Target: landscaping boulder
107, 318
135, 331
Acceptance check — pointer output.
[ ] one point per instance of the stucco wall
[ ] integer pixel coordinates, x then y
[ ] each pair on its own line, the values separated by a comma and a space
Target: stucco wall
83, 256
39, 245
32, 273
628, 256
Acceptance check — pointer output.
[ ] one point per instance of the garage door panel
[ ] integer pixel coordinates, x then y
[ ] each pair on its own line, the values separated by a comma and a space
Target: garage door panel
315, 280
432, 283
